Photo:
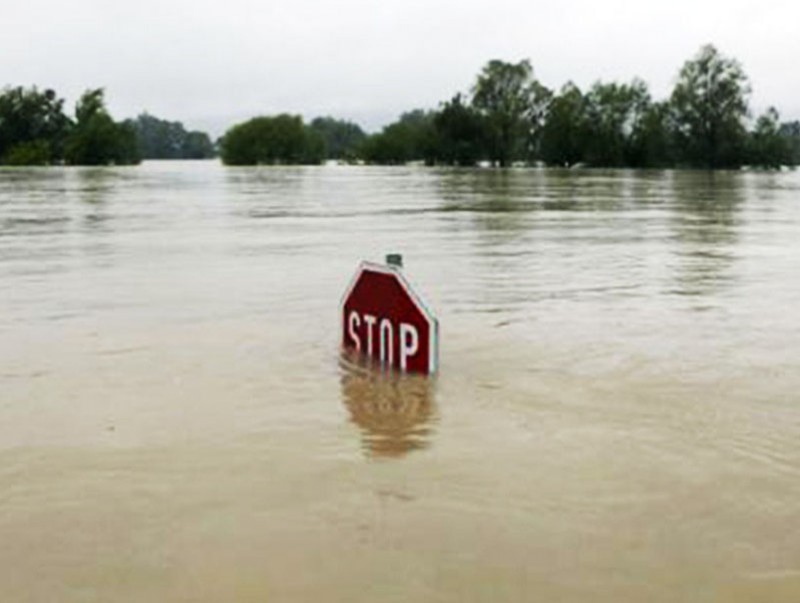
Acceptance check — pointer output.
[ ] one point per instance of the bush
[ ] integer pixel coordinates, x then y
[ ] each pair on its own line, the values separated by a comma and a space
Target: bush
282, 139
35, 152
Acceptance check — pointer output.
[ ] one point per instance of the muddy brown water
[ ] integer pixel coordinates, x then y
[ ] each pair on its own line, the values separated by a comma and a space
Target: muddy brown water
617, 415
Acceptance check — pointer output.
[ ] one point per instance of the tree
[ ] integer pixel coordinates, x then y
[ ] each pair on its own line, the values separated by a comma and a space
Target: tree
161, 139
96, 139
157, 138
342, 138
281, 139
411, 138
651, 141
709, 103
390, 146
460, 133
563, 138
197, 145
513, 104
768, 147
791, 132
614, 112
33, 126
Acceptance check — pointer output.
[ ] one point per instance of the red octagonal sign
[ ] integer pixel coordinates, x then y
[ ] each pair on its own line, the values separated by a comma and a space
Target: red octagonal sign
382, 318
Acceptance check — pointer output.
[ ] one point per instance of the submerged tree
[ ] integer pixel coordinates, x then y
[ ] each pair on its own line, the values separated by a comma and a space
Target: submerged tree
197, 145
651, 142
162, 139
282, 139
410, 138
709, 103
513, 104
96, 139
342, 138
614, 115
460, 133
564, 135
768, 147
33, 126
791, 133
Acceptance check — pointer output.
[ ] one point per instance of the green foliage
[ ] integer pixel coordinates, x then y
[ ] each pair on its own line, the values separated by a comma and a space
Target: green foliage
614, 112
314, 147
460, 133
161, 139
197, 145
282, 139
96, 139
513, 104
33, 126
768, 148
709, 104
564, 135
33, 152
391, 146
35, 130
791, 133
650, 143
342, 138
411, 138
90, 105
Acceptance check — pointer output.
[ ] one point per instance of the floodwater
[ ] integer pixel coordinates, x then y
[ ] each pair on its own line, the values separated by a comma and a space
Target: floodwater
617, 415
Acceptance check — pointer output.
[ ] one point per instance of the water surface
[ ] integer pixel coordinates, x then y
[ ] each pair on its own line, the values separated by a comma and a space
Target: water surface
616, 418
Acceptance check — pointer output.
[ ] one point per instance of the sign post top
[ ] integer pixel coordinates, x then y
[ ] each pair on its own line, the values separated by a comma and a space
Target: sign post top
384, 319
394, 259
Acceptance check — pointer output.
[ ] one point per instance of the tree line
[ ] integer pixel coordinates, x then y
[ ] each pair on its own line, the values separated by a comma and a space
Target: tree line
36, 130
507, 117
510, 117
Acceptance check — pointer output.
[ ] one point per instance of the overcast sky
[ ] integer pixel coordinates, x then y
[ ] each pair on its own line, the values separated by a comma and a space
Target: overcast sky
210, 63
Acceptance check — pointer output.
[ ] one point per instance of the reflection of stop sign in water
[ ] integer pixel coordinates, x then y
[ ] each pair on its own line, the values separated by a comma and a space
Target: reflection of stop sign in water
384, 319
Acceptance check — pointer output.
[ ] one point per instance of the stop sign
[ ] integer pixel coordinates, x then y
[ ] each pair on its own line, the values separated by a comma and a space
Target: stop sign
383, 319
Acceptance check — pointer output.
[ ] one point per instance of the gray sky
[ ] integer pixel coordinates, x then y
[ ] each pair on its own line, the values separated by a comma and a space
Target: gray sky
211, 63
